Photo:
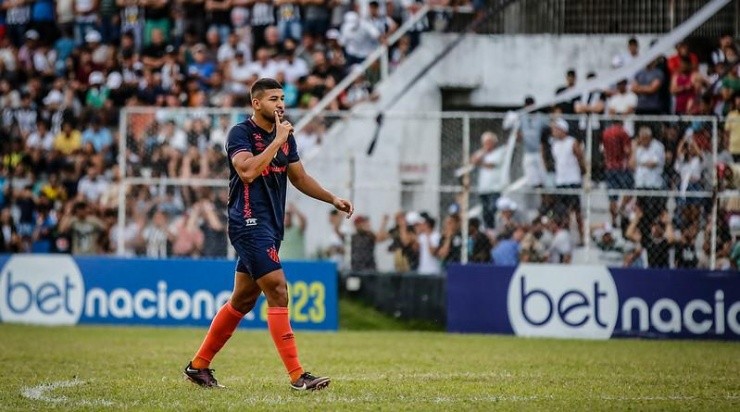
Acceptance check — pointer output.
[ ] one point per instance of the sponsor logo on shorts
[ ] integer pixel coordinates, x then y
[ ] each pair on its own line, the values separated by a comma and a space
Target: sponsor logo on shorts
252, 221
273, 254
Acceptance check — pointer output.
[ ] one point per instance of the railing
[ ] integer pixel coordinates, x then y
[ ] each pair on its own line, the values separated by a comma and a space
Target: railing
609, 17
379, 55
422, 177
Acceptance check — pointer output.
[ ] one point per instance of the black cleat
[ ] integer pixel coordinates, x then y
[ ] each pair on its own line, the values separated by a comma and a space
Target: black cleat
201, 377
308, 382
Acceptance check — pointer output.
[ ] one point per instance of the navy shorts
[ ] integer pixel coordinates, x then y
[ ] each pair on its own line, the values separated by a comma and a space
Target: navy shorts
257, 254
619, 180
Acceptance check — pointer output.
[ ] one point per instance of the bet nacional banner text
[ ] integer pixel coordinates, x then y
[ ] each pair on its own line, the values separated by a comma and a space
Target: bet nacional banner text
62, 290
593, 302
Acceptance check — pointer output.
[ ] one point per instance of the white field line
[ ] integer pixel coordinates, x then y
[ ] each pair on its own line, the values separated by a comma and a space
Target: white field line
42, 393
329, 398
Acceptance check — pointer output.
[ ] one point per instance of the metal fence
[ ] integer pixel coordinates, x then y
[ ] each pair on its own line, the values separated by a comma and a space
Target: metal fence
609, 17
622, 210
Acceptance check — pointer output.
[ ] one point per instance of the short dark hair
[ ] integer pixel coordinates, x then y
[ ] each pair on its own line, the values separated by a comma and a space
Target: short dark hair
632, 41
261, 85
571, 73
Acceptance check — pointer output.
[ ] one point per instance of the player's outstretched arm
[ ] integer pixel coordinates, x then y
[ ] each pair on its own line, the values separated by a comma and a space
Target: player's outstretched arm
309, 186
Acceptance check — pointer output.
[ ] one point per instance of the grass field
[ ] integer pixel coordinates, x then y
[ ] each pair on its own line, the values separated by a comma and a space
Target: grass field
93, 368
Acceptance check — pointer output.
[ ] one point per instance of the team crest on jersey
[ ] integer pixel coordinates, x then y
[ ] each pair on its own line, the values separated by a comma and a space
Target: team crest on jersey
273, 254
259, 144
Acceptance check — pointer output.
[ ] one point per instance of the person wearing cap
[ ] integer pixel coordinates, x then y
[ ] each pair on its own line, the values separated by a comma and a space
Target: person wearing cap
489, 161
508, 217
98, 92
27, 50
567, 153
201, 69
611, 248
101, 53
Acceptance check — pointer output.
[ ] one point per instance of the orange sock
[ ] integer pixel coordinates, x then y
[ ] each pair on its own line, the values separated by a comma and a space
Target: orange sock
282, 335
222, 327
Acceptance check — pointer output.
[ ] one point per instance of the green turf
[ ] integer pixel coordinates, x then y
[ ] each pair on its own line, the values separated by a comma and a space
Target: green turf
139, 369
358, 316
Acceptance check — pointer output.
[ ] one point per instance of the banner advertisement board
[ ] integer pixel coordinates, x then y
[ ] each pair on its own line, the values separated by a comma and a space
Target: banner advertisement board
593, 302
62, 290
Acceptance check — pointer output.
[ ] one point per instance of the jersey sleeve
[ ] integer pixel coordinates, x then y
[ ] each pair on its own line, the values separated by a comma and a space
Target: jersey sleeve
238, 141
292, 150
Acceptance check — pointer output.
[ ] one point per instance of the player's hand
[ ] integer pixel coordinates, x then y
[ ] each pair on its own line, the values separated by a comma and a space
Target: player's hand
283, 129
343, 205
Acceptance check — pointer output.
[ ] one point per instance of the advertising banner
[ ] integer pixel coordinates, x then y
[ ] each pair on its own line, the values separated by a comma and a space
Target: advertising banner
62, 290
593, 302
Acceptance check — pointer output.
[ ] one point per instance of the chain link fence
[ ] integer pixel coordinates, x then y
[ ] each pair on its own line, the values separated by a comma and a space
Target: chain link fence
598, 16
447, 187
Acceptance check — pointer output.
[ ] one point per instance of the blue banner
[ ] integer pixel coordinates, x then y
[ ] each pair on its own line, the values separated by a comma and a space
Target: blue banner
59, 289
593, 302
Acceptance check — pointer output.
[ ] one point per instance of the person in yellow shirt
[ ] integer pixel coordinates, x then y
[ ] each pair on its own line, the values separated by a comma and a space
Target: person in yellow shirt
732, 129
69, 140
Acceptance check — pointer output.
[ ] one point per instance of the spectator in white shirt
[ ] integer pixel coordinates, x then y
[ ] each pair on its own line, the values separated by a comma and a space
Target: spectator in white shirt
428, 242
359, 38
648, 161
227, 51
489, 160
292, 66
688, 165
264, 66
42, 138
561, 247
92, 186
623, 102
567, 153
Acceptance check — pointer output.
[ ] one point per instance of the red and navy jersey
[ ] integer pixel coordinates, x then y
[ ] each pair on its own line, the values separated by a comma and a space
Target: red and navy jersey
259, 207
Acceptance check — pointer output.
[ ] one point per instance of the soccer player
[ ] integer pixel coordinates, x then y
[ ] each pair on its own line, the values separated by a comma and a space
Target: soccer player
262, 157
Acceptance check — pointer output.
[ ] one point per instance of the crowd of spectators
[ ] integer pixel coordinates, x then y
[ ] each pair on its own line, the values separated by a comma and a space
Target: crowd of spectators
672, 161
670, 228
68, 67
